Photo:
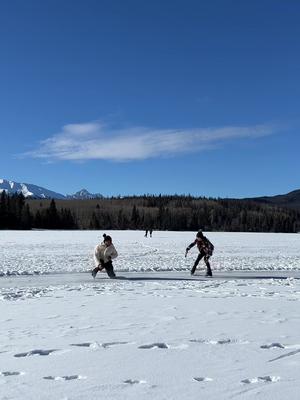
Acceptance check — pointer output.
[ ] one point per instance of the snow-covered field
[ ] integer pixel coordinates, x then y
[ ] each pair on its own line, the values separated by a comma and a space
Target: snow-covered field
156, 332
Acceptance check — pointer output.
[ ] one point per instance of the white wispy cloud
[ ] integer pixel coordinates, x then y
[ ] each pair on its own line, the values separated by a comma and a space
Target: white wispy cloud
95, 140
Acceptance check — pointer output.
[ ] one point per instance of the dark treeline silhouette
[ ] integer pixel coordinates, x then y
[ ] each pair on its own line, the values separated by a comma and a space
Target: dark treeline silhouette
16, 214
181, 213
178, 213
175, 212
52, 218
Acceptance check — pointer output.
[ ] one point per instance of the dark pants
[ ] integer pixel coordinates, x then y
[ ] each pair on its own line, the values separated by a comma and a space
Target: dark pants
206, 258
108, 268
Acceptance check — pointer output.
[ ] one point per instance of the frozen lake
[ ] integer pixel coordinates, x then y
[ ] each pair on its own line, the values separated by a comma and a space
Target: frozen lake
38, 252
156, 332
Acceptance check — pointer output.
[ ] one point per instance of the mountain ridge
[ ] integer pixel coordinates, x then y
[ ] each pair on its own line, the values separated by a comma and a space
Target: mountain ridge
84, 194
288, 200
30, 190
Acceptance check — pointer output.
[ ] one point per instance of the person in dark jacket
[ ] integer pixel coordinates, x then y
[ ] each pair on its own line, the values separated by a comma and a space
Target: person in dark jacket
205, 248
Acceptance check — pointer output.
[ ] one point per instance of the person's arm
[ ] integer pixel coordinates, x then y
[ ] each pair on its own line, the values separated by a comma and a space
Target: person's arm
114, 253
96, 256
189, 247
98, 261
210, 247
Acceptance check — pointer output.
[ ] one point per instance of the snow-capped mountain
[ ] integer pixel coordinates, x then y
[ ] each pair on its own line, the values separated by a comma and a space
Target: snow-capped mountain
28, 190
84, 194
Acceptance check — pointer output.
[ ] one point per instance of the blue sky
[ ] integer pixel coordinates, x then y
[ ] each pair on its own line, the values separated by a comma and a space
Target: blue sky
132, 97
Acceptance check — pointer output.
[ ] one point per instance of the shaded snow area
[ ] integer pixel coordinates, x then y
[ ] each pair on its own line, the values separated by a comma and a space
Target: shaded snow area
156, 332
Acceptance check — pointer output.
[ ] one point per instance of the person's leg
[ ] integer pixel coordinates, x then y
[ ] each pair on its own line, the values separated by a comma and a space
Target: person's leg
109, 269
94, 272
196, 263
98, 268
208, 269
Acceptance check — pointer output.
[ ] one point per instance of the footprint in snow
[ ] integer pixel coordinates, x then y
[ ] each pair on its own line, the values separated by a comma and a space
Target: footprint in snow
35, 352
202, 379
11, 373
85, 344
154, 345
221, 341
214, 342
64, 378
110, 344
272, 345
133, 381
97, 345
267, 378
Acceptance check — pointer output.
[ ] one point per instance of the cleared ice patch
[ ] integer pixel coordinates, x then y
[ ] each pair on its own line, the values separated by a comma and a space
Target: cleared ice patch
42, 252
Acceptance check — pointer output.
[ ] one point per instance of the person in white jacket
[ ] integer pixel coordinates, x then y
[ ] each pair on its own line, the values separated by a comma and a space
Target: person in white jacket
103, 256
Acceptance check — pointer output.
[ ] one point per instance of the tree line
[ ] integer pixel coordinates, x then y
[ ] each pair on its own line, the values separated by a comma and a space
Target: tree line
176, 212
15, 213
187, 213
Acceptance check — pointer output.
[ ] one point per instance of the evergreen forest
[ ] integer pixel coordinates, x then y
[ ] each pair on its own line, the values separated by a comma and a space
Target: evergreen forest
162, 212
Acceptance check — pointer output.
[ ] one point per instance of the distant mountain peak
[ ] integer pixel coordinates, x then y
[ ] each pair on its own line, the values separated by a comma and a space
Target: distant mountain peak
28, 190
33, 191
84, 194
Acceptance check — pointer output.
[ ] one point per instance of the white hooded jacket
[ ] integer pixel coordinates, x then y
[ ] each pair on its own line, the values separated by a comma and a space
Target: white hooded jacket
102, 252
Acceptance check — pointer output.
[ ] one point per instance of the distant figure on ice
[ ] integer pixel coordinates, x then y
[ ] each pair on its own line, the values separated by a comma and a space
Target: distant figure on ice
205, 248
103, 256
150, 232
